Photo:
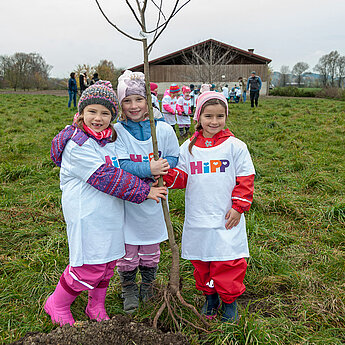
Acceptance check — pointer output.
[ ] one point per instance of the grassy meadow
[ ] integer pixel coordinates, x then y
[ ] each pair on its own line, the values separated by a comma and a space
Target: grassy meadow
296, 273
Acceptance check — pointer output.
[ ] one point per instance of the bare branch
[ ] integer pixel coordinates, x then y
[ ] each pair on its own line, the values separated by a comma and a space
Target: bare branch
144, 7
159, 9
173, 13
134, 14
160, 13
113, 25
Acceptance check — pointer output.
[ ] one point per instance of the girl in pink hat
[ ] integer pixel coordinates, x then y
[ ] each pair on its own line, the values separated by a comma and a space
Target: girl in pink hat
183, 108
169, 102
217, 171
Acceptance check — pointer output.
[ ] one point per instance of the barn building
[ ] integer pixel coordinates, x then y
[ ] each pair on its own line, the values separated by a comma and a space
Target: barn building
210, 61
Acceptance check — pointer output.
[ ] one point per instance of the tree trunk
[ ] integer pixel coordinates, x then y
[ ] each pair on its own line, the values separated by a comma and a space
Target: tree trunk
174, 271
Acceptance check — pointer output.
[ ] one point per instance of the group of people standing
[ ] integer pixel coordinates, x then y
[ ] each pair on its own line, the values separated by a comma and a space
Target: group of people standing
110, 197
239, 92
84, 83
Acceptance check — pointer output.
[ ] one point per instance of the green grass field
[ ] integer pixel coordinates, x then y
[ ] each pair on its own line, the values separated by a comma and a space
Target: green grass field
296, 273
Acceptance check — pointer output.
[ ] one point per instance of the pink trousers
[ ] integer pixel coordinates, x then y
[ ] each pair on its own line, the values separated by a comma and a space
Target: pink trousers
87, 277
144, 255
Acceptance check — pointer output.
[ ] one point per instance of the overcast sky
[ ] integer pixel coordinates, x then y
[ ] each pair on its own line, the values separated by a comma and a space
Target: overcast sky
71, 32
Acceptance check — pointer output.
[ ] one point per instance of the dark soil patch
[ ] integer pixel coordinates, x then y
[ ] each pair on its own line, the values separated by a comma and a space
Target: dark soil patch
120, 330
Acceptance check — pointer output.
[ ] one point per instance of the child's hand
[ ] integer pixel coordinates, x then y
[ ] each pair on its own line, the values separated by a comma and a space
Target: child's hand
159, 167
233, 218
157, 192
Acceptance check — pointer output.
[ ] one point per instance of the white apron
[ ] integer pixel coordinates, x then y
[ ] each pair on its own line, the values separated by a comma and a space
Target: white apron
184, 120
94, 219
211, 179
169, 118
144, 223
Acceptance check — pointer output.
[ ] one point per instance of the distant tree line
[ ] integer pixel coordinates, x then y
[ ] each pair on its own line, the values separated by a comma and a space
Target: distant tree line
24, 71
330, 68
30, 71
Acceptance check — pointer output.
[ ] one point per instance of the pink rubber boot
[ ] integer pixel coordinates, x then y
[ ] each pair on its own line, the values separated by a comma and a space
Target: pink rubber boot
58, 306
95, 309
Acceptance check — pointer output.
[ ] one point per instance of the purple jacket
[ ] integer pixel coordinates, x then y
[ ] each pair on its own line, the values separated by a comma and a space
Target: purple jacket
106, 178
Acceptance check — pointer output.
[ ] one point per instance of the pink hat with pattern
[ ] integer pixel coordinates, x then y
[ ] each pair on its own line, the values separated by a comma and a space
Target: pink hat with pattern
131, 83
206, 96
185, 89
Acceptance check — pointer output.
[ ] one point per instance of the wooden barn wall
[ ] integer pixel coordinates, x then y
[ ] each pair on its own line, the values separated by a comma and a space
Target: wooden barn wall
187, 73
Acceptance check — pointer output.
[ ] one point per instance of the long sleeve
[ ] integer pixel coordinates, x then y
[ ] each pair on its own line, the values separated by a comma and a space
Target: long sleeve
242, 194
172, 161
119, 183
168, 108
140, 169
179, 109
176, 179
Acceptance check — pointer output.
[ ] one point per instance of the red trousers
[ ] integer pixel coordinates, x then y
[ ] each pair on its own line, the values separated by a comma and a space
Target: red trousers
222, 277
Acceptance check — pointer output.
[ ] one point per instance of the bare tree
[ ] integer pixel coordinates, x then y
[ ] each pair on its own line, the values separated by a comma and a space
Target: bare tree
39, 71
24, 70
9, 71
138, 11
332, 58
340, 70
284, 77
322, 68
207, 62
298, 70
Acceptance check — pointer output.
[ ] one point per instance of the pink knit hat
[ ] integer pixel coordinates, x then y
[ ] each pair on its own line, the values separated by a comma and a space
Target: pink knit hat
206, 96
185, 89
153, 86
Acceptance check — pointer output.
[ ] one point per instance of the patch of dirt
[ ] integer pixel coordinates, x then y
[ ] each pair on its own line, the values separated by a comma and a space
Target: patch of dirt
119, 330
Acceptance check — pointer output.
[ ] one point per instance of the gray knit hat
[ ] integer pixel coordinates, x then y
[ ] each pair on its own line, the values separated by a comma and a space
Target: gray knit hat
100, 93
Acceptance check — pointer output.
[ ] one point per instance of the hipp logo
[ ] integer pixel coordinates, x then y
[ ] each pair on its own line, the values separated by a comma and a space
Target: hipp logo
112, 161
140, 158
200, 167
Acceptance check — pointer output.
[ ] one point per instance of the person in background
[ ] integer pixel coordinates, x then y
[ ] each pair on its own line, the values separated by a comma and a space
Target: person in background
237, 93
242, 82
72, 90
93, 192
169, 102
217, 171
82, 83
225, 90
144, 227
154, 92
184, 111
254, 84
94, 78
194, 96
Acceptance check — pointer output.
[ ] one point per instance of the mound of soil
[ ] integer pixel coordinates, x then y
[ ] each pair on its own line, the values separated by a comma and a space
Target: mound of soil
120, 330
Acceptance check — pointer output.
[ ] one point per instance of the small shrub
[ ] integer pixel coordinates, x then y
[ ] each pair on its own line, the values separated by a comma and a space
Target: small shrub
292, 91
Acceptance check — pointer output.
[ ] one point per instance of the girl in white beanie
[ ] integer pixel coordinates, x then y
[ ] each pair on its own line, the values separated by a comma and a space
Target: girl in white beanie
144, 226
